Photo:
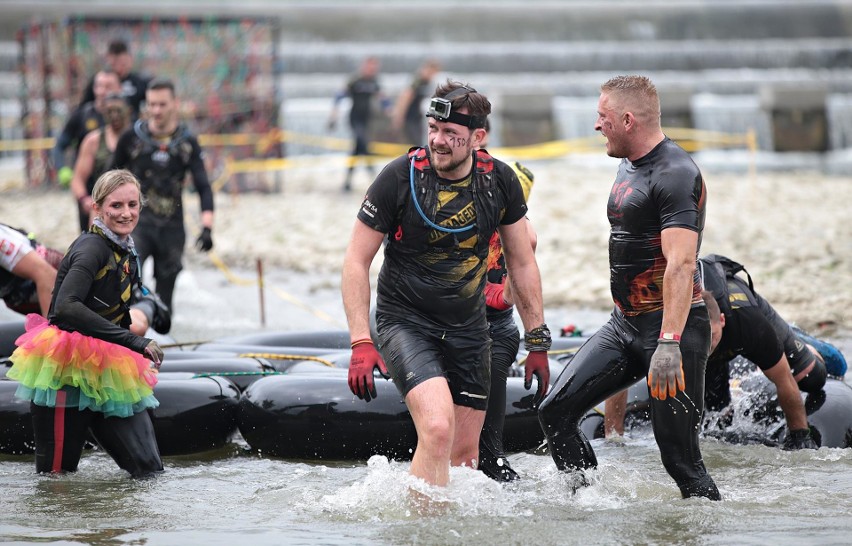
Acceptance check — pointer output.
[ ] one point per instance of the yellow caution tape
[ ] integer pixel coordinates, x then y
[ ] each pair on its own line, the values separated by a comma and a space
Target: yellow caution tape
275, 356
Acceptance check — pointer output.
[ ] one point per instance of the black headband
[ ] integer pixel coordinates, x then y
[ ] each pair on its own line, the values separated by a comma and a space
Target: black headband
441, 108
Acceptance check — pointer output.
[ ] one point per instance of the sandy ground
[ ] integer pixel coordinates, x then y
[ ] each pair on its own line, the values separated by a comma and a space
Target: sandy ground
792, 231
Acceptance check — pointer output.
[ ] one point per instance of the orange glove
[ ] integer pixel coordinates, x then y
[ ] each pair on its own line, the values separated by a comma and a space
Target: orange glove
665, 375
365, 358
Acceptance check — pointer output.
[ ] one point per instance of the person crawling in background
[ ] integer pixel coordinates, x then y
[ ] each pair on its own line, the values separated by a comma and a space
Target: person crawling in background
742, 323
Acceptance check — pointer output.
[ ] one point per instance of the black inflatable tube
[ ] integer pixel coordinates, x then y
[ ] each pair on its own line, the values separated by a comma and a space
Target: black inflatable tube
829, 412
174, 355
240, 371
241, 349
16, 426
315, 416
321, 339
9, 332
563, 343
196, 414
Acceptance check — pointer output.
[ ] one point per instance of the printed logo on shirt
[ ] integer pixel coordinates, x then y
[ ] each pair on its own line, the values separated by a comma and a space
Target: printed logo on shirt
369, 208
160, 157
7, 247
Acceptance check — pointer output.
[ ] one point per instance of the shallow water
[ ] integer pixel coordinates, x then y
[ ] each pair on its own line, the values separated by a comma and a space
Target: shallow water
235, 496
229, 496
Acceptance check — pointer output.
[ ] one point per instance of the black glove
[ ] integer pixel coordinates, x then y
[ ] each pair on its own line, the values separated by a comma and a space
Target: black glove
154, 353
204, 241
799, 439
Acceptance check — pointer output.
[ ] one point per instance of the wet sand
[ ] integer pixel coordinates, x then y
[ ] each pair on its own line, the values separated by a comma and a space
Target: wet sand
791, 230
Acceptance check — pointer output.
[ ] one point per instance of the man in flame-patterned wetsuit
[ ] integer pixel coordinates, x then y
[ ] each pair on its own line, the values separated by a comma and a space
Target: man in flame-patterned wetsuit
659, 327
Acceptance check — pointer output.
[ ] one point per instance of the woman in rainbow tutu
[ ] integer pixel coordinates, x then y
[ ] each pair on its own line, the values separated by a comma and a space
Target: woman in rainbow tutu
82, 369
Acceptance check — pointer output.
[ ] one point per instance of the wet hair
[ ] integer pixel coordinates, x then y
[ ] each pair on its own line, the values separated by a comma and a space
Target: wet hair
477, 104
116, 96
108, 70
111, 181
117, 47
162, 83
712, 307
635, 94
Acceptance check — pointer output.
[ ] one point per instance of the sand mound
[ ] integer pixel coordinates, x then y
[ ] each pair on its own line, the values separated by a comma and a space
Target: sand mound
791, 231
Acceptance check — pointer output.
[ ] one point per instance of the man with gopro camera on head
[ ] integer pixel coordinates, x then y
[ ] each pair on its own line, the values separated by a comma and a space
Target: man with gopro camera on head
438, 208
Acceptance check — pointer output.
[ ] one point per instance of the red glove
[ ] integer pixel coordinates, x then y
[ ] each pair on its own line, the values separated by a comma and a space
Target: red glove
494, 296
364, 359
537, 365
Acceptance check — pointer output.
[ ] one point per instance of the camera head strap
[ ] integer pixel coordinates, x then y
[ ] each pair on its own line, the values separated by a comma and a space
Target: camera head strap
441, 108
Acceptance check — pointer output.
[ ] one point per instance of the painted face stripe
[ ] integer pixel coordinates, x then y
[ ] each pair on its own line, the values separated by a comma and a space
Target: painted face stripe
58, 431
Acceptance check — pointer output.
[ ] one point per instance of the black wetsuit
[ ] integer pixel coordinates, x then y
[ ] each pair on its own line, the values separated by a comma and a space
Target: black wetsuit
755, 331
361, 90
161, 166
505, 342
661, 190
82, 121
414, 125
91, 297
430, 308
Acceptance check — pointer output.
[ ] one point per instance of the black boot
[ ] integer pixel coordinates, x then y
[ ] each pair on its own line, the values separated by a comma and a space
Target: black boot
498, 469
347, 182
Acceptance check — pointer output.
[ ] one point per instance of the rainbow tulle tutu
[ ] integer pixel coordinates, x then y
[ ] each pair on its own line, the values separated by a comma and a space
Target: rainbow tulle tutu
96, 374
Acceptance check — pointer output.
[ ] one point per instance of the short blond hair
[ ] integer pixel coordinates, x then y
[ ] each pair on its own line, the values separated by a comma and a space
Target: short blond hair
636, 94
110, 181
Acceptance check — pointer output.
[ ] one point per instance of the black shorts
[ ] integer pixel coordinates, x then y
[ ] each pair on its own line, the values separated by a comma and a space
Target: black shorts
414, 354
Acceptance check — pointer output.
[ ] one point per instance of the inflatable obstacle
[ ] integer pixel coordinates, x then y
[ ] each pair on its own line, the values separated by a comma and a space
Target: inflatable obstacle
313, 415
754, 417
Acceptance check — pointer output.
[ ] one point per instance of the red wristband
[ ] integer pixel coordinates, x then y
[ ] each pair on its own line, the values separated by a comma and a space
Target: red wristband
668, 336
